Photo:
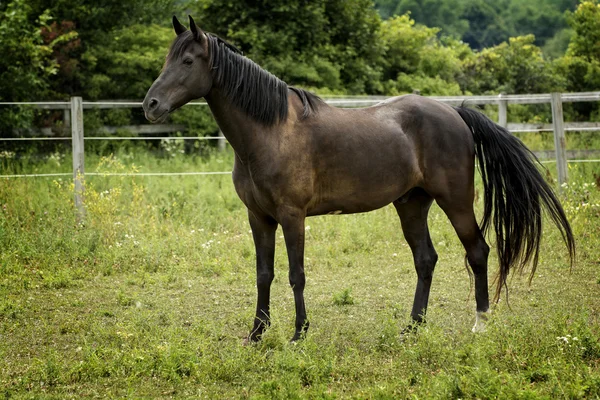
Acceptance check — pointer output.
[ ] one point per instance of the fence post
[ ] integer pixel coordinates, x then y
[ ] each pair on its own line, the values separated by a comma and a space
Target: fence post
560, 142
502, 111
77, 143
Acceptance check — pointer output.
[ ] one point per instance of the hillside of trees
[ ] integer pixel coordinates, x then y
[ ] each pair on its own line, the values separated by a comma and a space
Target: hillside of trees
484, 24
114, 49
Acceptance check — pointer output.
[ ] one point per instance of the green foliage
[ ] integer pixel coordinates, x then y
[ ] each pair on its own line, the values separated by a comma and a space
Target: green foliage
415, 59
483, 23
124, 62
581, 74
542, 18
66, 48
152, 296
330, 44
556, 46
486, 25
444, 14
93, 18
513, 67
26, 64
581, 65
585, 21
81, 29
198, 120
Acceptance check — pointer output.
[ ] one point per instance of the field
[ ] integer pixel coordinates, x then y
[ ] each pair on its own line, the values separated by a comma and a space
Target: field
152, 295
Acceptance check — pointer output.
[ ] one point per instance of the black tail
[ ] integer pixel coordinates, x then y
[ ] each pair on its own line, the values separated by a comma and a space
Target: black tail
514, 194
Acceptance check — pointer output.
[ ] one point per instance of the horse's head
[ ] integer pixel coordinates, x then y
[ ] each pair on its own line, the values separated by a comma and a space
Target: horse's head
185, 76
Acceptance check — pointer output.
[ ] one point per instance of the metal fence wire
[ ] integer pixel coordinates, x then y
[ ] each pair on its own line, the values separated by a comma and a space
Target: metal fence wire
74, 114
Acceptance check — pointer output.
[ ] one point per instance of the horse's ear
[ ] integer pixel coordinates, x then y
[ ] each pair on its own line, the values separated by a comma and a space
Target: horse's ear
197, 32
179, 29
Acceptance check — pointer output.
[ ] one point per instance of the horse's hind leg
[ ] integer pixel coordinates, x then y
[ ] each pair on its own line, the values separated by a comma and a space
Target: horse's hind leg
413, 213
461, 215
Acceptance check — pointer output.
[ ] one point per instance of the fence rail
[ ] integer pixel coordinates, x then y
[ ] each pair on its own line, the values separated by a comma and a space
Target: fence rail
74, 112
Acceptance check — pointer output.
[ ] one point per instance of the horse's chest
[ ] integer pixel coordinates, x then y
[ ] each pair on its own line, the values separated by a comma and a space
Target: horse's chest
266, 188
253, 193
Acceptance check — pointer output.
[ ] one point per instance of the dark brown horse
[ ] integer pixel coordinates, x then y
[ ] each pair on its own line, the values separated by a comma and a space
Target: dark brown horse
295, 156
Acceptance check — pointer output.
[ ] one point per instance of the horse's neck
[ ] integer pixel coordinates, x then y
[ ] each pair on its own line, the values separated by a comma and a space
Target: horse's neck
239, 129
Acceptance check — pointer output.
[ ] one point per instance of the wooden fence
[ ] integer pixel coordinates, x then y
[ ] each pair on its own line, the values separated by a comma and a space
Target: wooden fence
74, 114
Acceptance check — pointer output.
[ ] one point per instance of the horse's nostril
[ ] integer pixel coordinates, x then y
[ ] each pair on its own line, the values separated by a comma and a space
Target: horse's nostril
153, 104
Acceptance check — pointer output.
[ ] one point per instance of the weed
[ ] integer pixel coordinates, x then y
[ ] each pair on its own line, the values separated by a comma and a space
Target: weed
343, 298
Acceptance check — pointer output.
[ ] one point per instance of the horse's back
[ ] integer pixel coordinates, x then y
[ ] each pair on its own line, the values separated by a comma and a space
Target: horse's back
416, 129
385, 150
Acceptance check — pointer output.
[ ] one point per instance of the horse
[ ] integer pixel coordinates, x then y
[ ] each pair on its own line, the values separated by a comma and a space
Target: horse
296, 156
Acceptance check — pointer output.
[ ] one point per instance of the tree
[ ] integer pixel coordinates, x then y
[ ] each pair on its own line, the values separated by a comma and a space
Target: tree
73, 27
557, 45
484, 23
92, 17
581, 65
585, 21
516, 66
443, 14
66, 46
416, 59
320, 44
542, 18
126, 63
26, 63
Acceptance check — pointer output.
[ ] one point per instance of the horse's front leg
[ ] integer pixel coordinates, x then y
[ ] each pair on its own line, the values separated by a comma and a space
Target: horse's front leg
263, 232
292, 223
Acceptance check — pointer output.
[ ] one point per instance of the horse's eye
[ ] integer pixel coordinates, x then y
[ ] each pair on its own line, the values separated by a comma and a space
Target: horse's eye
188, 61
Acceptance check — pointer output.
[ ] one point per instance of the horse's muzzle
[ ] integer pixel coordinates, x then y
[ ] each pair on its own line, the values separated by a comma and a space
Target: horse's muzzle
154, 111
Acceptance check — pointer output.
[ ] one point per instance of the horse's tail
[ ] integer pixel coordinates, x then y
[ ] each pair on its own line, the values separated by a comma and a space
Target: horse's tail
514, 194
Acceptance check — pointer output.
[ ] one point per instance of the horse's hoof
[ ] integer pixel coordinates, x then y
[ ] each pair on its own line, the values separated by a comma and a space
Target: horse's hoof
409, 330
481, 318
298, 336
253, 337
250, 340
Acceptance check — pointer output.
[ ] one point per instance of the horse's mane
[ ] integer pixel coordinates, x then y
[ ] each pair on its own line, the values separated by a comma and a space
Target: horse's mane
262, 95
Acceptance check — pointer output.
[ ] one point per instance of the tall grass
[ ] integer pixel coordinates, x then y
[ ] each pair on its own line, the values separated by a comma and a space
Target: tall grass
152, 295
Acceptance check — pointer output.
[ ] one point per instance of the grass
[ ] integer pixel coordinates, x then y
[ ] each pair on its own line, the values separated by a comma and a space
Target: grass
152, 296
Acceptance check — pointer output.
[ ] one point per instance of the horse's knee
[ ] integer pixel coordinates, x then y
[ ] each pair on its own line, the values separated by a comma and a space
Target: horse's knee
297, 280
264, 279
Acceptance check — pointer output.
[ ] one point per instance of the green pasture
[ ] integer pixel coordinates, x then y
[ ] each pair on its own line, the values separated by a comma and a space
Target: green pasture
152, 296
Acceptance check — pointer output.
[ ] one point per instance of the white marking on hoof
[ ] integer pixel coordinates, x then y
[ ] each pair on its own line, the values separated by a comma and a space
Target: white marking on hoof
481, 318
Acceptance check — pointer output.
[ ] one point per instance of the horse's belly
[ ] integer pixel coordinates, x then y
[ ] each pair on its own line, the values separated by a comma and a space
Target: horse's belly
336, 208
350, 198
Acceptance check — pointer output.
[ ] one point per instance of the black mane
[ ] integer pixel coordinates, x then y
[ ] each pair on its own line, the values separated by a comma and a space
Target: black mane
262, 95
